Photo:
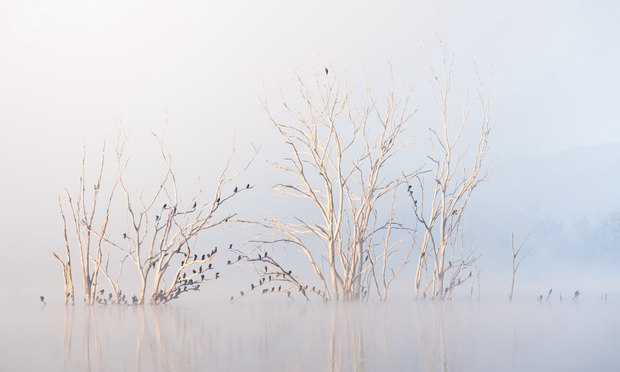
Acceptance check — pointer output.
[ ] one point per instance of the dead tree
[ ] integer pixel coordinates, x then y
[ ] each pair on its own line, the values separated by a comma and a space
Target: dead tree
517, 262
67, 276
441, 212
161, 243
338, 155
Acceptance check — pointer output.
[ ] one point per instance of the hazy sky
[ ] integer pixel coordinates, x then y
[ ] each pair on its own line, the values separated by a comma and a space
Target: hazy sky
69, 68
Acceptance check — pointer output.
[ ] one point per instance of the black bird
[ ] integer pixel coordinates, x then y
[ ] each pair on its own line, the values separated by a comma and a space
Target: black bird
195, 205
217, 275
540, 298
156, 218
266, 268
200, 269
265, 254
470, 274
182, 263
279, 288
203, 256
259, 256
101, 291
215, 250
313, 288
252, 286
248, 186
239, 258
326, 71
289, 273
202, 277
272, 288
230, 247
288, 293
229, 262
195, 257
183, 275
576, 295
269, 277
235, 190
194, 271
455, 212
232, 298
218, 201
43, 300
549, 295
241, 293
210, 265
110, 296
124, 236
208, 255
165, 205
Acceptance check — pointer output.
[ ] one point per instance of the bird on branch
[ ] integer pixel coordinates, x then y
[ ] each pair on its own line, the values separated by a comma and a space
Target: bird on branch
326, 71
43, 300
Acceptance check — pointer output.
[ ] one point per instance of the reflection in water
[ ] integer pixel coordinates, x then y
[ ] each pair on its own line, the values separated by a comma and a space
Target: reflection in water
418, 336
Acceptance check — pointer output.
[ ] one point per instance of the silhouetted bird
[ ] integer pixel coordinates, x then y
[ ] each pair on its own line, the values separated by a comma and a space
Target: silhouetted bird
183, 275
259, 256
195, 257
455, 212
230, 247
409, 188
252, 286
165, 205
239, 258
101, 291
194, 271
195, 204
289, 273
576, 295
43, 300
279, 288
203, 256
248, 186
549, 295
232, 298
235, 190
124, 236
326, 71
313, 288
215, 250
210, 265
218, 201
217, 275
202, 277
156, 218
266, 268
470, 274
540, 298
288, 293
182, 263
229, 262
265, 254
200, 269
241, 293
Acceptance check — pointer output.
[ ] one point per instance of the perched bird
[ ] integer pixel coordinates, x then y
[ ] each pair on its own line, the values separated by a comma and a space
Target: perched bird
265, 254
239, 258
183, 275
156, 218
200, 269
241, 293
289, 273
217, 275
101, 291
43, 300
259, 256
164, 207
326, 71
576, 295
195, 257
124, 236
235, 190
202, 277
252, 286
229, 262
210, 265
232, 298
540, 298
182, 263
248, 186
455, 212
279, 288
203, 256
194, 271
195, 204
266, 268
218, 201
230, 247
549, 295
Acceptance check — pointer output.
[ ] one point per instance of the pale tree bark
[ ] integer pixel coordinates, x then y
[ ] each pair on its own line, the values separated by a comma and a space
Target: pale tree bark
156, 240
516, 262
153, 236
441, 212
338, 154
67, 276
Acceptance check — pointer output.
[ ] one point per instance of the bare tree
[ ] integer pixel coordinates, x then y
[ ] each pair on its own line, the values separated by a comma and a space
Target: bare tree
517, 262
441, 212
338, 154
161, 243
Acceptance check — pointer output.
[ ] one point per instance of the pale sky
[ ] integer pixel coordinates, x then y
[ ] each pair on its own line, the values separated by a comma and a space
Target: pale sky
69, 68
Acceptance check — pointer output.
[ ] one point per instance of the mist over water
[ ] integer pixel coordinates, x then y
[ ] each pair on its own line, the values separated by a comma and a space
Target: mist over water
311, 336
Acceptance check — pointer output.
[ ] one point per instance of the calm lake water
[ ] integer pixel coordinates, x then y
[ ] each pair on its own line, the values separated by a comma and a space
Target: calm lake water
297, 336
